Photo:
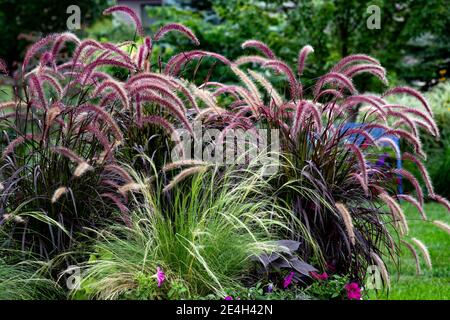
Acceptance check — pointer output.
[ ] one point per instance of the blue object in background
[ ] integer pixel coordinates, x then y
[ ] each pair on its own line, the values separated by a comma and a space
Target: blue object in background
375, 133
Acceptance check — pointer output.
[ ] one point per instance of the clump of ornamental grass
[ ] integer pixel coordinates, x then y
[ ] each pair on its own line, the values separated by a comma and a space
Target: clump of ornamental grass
70, 122
332, 177
202, 241
25, 280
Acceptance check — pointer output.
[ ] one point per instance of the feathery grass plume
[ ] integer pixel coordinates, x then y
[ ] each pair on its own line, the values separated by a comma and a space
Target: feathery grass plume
35, 86
302, 55
128, 11
441, 200
256, 96
54, 83
410, 177
183, 175
250, 59
141, 56
357, 99
335, 78
337, 94
86, 75
411, 92
175, 63
361, 160
262, 47
58, 193
383, 270
426, 117
376, 70
442, 225
7, 105
123, 208
424, 250
397, 212
294, 85
14, 143
129, 187
122, 54
346, 61
101, 137
271, 91
61, 39
117, 88
157, 88
347, 218
165, 124
81, 169
121, 172
105, 116
78, 53
35, 48
414, 254
68, 154
3, 67
415, 203
422, 169
404, 117
178, 28
360, 132
173, 109
413, 140
182, 163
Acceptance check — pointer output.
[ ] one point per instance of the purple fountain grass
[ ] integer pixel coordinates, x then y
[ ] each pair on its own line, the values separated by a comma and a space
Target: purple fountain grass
119, 171
409, 91
13, 144
361, 160
250, 59
168, 105
178, 28
302, 55
410, 177
294, 85
415, 203
334, 77
105, 116
346, 61
129, 12
262, 47
36, 89
35, 48
422, 169
175, 63
117, 88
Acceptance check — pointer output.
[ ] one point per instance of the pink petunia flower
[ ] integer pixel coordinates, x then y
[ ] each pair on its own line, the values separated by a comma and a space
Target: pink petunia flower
288, 280
353, 291
228, 298
160, 276
315, 275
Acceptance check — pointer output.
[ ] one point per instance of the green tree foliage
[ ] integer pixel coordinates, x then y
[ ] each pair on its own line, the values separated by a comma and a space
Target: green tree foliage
412, 41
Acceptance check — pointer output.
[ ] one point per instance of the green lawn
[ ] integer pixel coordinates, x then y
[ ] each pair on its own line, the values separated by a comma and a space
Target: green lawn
432, 284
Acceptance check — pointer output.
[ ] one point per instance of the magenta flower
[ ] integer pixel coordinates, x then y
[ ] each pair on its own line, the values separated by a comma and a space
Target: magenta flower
228, 298
353, 291
160, 276
315, 275
288, 280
